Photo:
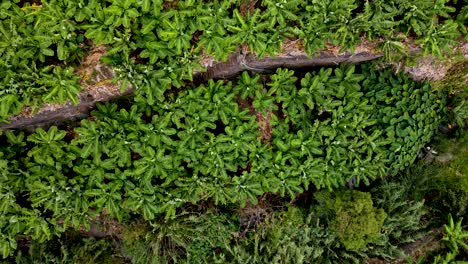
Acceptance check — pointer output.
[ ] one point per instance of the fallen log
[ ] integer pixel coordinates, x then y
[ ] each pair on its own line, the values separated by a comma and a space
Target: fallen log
237, 63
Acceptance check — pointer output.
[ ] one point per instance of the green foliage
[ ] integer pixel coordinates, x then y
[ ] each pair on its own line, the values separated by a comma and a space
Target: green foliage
27, 86
439, 38
352, 216
156, 45
32, 36
289, 237
73, 249
313, 235
188, 238
404, 221
33, 33
455, 240
458, 93
443, 183
327, 21
253, 33
403, 110
462, 17
403, 215
204, 143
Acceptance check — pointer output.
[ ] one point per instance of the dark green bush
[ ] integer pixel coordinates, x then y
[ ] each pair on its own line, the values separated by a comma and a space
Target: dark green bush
343, 227
188, 238
73, 249
290, 237
444, 182
352, 217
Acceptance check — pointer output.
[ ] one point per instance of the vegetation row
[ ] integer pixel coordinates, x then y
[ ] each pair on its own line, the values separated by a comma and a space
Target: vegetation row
221, 141
164, 40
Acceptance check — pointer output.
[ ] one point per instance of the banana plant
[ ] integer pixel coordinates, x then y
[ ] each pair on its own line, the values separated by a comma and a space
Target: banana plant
284, 183
35, 225
313, 33
227, 153
47, 192
9, 104
240, 139
139, 201
94, 173
215, 162
56, 21
312, 171
220, 99
90, 134
107, 21
20, 36
156, 134
263, 102
63, 85
156, 50
338, 17
315, 85
217, 190
9, 224
244, 189
155, 164
119, 148
195, 132
50, 149
281, 12
176, 32
260, 156
213, 20
150, 7
105, 111
247, 86
293, 101
327, 21
253, 33
77, 214
378, 19
282, 83
121, 13
108, 197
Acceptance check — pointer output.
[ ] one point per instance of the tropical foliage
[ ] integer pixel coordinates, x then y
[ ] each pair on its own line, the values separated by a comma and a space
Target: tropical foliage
164, 41
155, 164
204, 143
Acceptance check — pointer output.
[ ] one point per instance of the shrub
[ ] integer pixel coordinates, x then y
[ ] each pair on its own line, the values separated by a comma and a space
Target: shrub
188, 238
71, 248
352, 217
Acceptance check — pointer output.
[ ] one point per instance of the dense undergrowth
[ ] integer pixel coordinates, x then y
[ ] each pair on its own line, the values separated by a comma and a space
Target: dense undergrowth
42, 40
386, 217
